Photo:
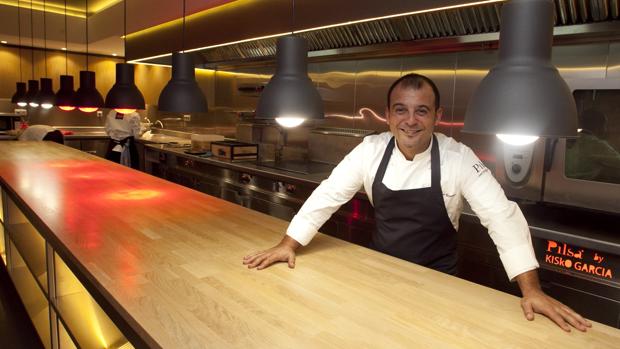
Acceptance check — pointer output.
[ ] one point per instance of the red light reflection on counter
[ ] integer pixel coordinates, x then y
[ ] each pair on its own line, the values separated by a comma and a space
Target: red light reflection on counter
135, 194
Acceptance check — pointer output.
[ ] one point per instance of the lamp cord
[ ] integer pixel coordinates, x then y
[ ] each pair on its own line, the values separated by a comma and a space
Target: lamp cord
124, 31
183, 35
19, 33
44, 39
293, 17
32, 39
86, 34
66, 43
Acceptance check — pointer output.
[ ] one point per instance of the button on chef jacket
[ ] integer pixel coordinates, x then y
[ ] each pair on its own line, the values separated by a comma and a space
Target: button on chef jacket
462, 176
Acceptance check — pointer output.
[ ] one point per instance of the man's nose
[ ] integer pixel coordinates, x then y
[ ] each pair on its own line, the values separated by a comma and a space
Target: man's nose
411, 119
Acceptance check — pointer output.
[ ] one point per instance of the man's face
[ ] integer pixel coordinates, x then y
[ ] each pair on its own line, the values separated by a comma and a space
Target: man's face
412, 118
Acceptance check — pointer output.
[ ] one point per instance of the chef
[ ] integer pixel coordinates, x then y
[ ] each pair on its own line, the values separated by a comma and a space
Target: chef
123, 129
416, 180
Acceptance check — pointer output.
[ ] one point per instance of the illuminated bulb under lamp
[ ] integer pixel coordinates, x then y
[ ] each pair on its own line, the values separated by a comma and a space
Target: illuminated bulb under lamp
64, 48
22, 104
46, 105
4, 42
579, 130
88, 109
33, 104
124, 111
517, 139
66, 107
290, 121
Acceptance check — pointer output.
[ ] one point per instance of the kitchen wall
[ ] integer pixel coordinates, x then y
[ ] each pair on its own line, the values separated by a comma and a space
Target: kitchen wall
149, 79
354, 91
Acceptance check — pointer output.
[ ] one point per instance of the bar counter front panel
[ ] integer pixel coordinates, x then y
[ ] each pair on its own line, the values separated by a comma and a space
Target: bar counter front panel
163, 264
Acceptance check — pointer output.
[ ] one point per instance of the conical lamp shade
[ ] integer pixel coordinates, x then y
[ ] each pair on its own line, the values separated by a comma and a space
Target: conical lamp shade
46, 97
182, 93
33, 90
87, 98
290, 94
65, 97
124, 96
524, 93
20, 93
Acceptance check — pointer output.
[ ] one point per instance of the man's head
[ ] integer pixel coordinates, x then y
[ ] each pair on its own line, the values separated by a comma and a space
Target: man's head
412, 112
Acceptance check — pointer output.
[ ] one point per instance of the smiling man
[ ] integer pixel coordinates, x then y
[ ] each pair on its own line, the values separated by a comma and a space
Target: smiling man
416, 180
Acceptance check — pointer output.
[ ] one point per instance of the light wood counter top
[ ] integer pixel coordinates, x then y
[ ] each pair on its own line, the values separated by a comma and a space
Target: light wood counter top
165, 261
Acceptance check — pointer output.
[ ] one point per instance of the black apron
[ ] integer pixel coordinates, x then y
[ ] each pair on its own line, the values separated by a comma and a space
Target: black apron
413, 224
116, 156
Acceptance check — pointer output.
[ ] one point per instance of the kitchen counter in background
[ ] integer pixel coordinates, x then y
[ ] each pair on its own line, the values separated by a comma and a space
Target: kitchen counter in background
164, 263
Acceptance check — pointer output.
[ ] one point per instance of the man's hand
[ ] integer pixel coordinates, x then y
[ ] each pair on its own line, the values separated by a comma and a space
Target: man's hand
536, 301
282, 252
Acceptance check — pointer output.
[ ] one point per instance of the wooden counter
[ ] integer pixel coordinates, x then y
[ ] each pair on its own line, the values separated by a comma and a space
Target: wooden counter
165, 263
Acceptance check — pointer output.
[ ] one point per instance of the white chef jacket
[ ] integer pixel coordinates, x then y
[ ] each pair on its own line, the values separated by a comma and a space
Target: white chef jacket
119, 129
462, 176
35, 133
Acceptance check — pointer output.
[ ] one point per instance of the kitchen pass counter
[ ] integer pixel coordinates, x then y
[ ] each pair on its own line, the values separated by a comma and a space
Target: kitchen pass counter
164, 262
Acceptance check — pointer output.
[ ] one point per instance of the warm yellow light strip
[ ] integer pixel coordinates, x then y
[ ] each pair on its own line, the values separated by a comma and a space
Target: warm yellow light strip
239, 41
139, 60
304, 30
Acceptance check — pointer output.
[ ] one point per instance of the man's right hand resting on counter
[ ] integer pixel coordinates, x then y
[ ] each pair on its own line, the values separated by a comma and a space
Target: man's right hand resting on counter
282, 252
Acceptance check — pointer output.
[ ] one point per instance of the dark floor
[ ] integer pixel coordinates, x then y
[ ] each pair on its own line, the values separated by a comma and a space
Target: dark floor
16, 330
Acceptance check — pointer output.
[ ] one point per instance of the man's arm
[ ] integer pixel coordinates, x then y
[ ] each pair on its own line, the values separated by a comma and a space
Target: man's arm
510, 233
340, 187
536, 301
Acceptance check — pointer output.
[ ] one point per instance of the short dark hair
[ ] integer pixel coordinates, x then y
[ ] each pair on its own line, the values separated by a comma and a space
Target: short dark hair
414, 81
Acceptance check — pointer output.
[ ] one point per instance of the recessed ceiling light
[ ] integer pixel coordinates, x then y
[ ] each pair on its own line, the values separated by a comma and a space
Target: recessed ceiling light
64, 49
4, 42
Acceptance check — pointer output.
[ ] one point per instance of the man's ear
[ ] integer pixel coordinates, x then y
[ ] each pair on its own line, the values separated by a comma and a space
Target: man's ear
439, 115
387, 115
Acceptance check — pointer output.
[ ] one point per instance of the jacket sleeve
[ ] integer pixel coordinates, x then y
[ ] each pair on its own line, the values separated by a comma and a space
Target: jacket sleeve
345, 180
503, 218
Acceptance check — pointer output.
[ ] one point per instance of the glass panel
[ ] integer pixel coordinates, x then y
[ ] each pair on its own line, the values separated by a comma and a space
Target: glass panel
595, 155
89, 324
34, 301
1, 206
31, 247
2, 245
64, 339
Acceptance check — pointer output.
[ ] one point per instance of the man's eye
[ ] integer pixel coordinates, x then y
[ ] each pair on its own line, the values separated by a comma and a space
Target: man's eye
421, 112
400, 110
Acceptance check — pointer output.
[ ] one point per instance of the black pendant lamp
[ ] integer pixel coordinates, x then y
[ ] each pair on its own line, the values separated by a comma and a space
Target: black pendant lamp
33, 85
46, 97
182, 93
124, 96
19, 97
290, 97
87, 98
20, 93
523, 96
65, 97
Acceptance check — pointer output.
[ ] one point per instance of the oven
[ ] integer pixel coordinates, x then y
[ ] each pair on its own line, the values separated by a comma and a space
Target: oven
585, 172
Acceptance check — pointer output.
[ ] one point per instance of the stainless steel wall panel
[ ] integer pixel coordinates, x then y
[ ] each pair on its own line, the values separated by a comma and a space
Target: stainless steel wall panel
586, 61
336, 84
613, 63
373, 79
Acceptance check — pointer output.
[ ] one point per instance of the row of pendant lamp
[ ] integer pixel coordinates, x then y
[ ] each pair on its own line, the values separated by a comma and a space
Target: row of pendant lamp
182, 93
123, 96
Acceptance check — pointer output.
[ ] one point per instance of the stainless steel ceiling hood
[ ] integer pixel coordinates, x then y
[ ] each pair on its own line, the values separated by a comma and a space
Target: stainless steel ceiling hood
471, 24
